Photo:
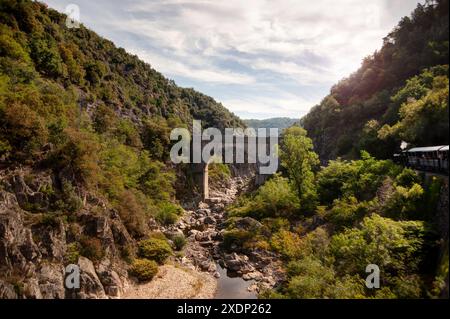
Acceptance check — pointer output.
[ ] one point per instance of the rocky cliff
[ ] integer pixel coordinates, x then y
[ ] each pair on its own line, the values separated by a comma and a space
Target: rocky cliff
36, 247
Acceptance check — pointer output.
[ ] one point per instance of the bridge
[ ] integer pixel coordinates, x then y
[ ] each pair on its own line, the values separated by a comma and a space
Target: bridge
258, 154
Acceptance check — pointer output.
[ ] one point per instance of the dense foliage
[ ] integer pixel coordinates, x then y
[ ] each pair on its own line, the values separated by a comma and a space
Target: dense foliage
397, 94
363, 212
98, 117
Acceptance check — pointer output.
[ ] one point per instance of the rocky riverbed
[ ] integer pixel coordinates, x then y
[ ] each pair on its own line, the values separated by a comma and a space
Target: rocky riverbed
204, 228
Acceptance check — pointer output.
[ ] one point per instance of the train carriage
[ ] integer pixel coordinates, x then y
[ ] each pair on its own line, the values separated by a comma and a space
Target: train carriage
429, 158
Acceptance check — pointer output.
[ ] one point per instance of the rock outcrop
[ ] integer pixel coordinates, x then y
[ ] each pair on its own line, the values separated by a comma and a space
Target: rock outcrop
35, 244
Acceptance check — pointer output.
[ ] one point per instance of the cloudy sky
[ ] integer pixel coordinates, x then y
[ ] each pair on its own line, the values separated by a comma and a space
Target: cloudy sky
260, 58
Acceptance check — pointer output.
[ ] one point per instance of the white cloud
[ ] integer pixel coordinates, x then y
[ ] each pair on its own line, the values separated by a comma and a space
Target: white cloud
286, 105
202, 73
251, 43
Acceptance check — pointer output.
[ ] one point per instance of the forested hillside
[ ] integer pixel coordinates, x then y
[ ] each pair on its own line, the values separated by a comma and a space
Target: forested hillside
399, 93
84, 168
328, 224
70, 100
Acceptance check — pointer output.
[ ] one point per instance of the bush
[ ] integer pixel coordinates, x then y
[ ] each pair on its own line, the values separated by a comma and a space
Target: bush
392, 245
346, 211
179, 242
236, 237
72, 253
407, 178
288, 244
143, 269
132, 213
168, 213
154, 249
404, 202
91, 248
218, 172
78, 153
69, 201
275, 198
23, 127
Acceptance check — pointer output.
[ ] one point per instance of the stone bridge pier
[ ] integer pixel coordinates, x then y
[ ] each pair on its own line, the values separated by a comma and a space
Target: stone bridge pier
200, 170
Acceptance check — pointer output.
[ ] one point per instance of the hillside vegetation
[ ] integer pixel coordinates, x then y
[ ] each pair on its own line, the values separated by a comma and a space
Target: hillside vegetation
328, 224
84, 142
97, 116
400, 92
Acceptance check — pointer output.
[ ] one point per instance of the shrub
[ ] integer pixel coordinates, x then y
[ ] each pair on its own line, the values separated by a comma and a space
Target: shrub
288, 244
407, 178
49, 219
179, 242
236, 237
72, 253
275, 198
69, 201
392, 245
166, 218
132, 213
346, 211
310, 279
157, 183
168, 213
154, 249
78, 152
404, 202
91, 248
104, 119
144, 269
218, 172
25, 129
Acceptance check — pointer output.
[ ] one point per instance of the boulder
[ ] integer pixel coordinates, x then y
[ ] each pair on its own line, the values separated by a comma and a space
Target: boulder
110, 280
90, 285
209, 220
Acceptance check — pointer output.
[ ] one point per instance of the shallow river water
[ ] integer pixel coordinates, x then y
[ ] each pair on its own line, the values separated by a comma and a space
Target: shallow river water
229, 287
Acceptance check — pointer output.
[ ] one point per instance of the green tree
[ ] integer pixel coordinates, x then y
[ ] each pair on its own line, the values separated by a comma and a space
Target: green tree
392, 245
299, 160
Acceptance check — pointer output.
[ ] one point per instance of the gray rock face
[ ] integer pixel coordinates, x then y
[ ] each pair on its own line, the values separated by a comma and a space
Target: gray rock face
7, 291
51, 281
53, 241
34, 253
17, 247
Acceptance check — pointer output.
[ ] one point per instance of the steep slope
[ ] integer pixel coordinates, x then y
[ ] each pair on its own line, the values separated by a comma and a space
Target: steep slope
350, 117
84, 169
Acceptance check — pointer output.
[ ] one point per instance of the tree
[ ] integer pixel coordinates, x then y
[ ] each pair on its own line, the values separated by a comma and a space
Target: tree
299, 160
392, 245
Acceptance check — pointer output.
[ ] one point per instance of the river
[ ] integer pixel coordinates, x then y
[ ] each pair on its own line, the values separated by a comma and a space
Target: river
232, 287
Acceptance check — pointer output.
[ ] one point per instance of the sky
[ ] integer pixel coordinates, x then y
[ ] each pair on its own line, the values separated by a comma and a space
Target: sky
259, 58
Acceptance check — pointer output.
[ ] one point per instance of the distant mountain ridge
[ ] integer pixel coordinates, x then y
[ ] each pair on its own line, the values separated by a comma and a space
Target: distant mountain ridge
275, 122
